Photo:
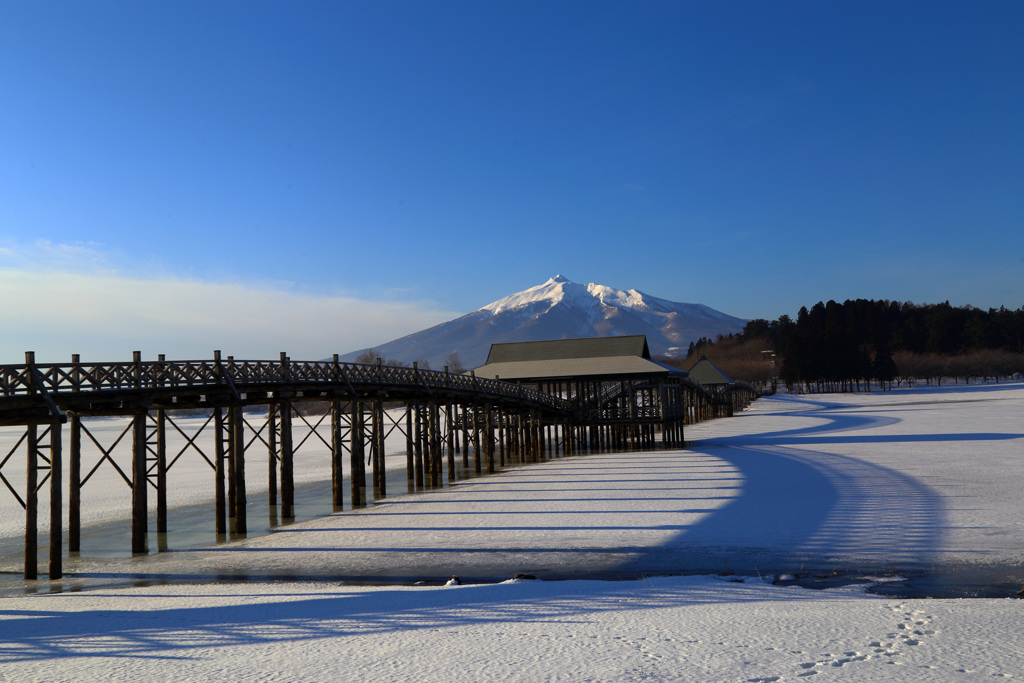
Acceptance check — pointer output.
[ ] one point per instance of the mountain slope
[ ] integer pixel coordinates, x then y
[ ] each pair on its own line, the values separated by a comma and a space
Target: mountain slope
560, 309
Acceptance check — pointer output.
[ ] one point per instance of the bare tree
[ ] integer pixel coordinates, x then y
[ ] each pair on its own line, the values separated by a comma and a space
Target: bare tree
454, 363
368, 357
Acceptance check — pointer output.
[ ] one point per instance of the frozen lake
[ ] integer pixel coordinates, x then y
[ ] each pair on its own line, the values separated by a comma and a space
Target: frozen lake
918, 482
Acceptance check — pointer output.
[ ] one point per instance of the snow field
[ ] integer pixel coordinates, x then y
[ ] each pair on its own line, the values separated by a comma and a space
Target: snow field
926, 478
661, 629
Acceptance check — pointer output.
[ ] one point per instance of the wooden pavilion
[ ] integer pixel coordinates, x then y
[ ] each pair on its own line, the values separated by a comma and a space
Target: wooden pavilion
623, 396
730, 394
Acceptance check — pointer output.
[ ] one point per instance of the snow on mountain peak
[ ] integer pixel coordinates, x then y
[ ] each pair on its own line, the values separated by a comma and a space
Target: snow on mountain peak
562, 309
554, 291
610, 296
591, 298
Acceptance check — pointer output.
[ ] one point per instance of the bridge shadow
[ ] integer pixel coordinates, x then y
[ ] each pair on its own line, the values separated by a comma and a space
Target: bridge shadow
801, 511
170, 636
803, 505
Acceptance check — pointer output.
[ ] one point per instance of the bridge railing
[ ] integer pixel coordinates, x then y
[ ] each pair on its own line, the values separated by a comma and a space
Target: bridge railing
57, 379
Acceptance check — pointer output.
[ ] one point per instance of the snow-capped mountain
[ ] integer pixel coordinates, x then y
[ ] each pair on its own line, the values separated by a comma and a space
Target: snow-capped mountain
560, 309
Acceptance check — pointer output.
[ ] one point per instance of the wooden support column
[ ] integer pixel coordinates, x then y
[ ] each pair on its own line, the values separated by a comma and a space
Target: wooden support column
465, 436
287, 461
538, 432
56, 502
337, 456
519, 437
375, 450
140, 510
435, 444
272, 461
527, 437
357, 466
452, 440
477, 454
161, 478
32, 504
237, 454
410, 448
75, 486
219, 497
524, 436
489, 439
418, 438
226, 436
287, 452
426, 436
381, 452
501, 437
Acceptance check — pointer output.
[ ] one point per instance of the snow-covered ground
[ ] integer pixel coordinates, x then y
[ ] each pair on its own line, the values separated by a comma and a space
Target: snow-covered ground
921, 482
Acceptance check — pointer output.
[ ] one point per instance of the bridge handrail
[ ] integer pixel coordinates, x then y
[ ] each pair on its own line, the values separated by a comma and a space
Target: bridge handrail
64, 378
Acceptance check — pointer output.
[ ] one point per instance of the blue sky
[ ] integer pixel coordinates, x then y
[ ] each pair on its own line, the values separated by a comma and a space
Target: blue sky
175, 175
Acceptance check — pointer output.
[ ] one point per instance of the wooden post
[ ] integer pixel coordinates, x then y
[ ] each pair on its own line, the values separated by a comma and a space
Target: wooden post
75, 486
489, 440
451, 440
465, 437
410, 449
435, 444
75, 467
477, 454
287, 461
357, 467
140, 509
287, 456
238, 457
374, 452
337, 453
418, 438
161, 476
501, 437
32, 504
382, 454
272, 458
56, 501
31, 494
225, 461
161, 470
377, 448
219, 501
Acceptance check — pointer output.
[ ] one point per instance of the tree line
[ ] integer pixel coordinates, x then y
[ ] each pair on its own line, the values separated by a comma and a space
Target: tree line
453, 363
846, 346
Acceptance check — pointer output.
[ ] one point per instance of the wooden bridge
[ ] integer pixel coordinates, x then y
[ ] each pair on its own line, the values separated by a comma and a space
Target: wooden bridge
441, 414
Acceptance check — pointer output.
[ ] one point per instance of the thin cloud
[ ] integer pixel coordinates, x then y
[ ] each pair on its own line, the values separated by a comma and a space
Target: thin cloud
42, 255
106, 316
